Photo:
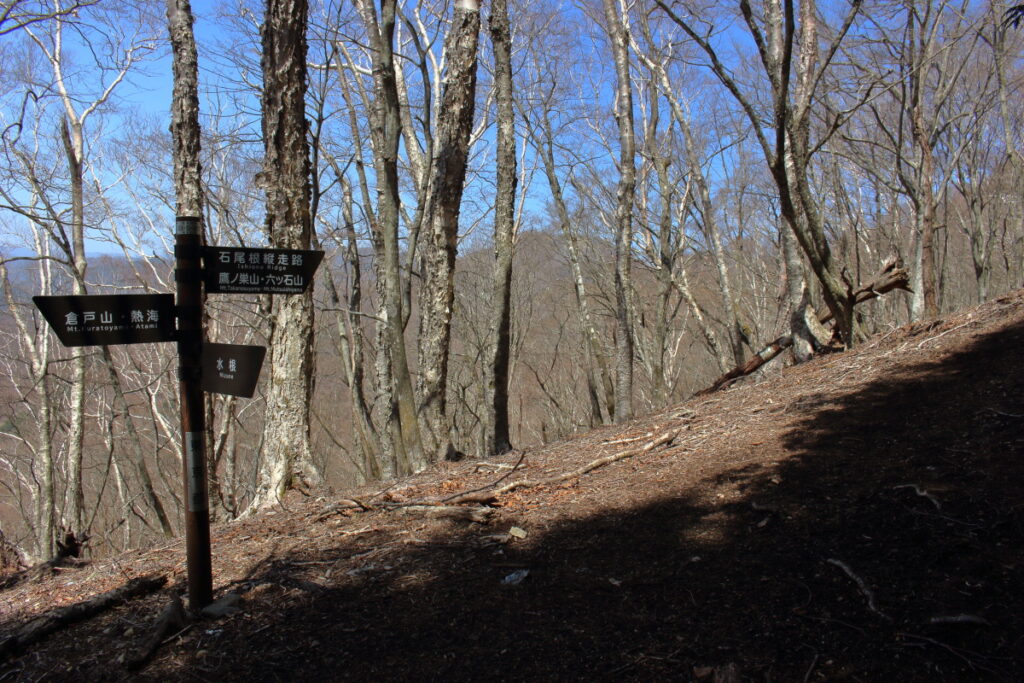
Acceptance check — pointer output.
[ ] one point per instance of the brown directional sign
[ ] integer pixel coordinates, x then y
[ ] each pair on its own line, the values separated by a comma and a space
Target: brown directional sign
231, 369
241, 270
103, 319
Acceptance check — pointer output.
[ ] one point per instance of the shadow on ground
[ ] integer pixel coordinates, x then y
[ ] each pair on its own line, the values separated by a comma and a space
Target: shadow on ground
887, 545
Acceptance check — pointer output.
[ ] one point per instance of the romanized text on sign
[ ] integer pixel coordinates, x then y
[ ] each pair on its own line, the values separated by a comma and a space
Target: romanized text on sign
243, 270
105, 319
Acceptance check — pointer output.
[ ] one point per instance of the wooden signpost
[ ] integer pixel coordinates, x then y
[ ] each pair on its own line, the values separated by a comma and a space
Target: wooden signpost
232, 369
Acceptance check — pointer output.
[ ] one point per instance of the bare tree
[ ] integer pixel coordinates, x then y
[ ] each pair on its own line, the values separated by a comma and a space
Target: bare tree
786, 55
287, 458
392, 365
447, 176
496, 427
618, 35
19, 14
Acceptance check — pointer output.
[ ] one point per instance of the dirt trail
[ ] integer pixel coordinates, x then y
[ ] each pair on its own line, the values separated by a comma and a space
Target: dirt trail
859, 517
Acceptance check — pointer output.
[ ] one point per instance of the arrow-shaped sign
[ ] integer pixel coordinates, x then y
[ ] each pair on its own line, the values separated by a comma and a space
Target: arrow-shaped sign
242, 270
103, 319
231, 369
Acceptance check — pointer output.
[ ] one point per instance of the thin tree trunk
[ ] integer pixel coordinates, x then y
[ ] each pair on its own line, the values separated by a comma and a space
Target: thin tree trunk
599, 378
74, 150
385, 119
496, 425
135, 443
624, 195
350, 342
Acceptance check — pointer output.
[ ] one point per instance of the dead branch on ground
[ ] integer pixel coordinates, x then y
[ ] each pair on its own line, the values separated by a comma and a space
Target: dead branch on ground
172, 620
666, 438
56, 619
869, 596
479, 515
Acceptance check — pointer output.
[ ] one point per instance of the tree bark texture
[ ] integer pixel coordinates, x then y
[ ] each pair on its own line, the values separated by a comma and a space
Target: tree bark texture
287, 459
185, 130
923, 196
497, 439
74, 149
448, 174
798, 297
188, 189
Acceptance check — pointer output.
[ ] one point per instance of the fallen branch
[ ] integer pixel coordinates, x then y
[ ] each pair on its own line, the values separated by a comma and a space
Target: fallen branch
341, 506
68, 552
478, 515
591, 466
632, 439
483, 495
960, 619
892, 276
869, 597
56, 619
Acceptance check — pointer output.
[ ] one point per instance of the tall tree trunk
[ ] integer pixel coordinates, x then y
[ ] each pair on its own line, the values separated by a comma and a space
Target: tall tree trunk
924, 214
74, 150
287, 458
185, 129
737, 332
665, 265
624, 195
496, 423
385, 128
350, 342
185, 135
447, 176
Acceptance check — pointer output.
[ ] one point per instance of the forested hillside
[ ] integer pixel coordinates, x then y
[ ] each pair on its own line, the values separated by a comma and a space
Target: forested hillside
539, 218
857, 517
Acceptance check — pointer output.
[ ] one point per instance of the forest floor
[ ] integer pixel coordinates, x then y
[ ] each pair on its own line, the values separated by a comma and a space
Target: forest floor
859, 517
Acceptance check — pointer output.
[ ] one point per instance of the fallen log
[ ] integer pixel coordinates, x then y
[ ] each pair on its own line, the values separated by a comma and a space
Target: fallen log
56, 619
892, 276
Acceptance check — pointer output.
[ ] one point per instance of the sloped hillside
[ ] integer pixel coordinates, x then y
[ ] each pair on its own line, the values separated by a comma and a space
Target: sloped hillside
860, 517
